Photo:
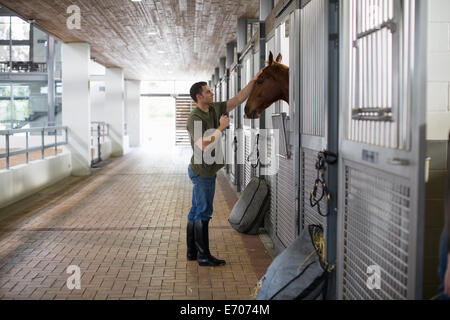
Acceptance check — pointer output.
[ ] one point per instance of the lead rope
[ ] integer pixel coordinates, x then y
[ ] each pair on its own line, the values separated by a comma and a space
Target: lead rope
321, 162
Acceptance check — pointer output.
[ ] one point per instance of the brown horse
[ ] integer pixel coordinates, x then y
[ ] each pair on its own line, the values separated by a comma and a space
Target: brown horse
272, 85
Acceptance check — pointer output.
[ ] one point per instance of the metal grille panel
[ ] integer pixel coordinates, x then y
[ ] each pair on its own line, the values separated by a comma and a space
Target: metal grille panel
286, 220
249, 172
183, 107
381, 59
272, 182
313, 38
376, 232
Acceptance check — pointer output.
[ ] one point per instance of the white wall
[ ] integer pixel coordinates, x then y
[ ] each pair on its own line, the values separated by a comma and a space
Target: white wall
115, 110
76, 112
133, 114
97, 96
438, 105
24, 180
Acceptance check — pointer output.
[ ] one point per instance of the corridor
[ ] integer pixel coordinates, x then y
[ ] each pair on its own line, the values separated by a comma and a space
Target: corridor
124, 227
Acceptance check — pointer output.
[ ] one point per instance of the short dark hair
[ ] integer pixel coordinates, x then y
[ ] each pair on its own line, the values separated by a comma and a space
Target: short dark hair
197, 89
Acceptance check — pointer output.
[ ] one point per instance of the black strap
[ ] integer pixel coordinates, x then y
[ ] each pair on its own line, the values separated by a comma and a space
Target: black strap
254, 166
323, 158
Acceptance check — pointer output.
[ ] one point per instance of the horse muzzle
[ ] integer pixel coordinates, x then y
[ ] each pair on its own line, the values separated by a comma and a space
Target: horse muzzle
251, 115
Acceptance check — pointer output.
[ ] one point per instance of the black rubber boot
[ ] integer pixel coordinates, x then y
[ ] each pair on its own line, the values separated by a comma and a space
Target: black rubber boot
204, 257
190, 242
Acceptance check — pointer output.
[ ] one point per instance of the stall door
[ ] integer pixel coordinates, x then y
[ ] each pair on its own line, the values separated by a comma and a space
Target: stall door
183, 105
232, 142
248, 172
285, 205
271, 218
381, 149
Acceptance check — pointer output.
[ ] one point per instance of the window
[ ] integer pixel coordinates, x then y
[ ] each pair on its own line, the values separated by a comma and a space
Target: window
5, 113
21, 109
23, 48
5, 28
20, 30
4, 53
20, 53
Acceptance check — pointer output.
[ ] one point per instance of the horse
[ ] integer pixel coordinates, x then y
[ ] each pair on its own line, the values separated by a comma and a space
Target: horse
272, 85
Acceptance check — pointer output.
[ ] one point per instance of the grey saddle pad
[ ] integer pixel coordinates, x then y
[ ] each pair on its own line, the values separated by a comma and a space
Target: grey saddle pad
248, 212
296, 273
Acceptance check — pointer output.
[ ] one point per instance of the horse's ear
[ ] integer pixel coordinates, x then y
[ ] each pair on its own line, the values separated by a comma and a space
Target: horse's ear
270, 58
279, 57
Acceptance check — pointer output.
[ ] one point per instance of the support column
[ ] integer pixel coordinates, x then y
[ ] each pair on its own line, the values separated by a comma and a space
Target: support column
115, 110
76, 113
241, 34
265, 7
133, 107
230, 54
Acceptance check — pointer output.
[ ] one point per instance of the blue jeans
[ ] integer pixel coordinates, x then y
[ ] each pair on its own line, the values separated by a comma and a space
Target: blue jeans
202, 197
442, 266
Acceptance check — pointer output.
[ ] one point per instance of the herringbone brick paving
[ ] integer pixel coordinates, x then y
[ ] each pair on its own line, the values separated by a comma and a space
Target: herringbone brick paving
124, 226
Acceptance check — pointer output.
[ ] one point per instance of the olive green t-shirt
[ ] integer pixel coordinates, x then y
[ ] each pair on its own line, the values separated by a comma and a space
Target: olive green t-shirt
209, 120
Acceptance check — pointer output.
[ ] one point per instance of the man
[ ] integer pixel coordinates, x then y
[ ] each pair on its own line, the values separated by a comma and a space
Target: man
209, 116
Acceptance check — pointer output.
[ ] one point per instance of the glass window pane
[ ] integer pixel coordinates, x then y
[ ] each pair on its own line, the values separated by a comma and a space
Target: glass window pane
40, 43
5, 110
21, 109
21, 91
4, 53
4, 28
20, 29
20, 53
5, 91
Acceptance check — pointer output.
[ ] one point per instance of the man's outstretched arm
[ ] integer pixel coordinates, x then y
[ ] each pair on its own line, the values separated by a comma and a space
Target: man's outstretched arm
243, 94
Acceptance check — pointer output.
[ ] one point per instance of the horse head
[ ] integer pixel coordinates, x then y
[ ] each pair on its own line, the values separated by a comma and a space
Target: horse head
272, 85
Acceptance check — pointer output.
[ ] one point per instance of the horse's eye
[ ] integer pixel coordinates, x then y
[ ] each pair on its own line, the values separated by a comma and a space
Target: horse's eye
259, 81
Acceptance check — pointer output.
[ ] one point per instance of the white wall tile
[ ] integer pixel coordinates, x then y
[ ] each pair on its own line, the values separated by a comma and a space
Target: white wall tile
439, 36
438, 125
439, 66
437, 96
439, 10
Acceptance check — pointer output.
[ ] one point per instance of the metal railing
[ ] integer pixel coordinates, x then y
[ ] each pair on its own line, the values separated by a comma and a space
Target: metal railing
28, 149
99, 130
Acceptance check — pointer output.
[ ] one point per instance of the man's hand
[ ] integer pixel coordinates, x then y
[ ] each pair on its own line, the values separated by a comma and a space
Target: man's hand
244, 93
224, 122
447, 278
258, 74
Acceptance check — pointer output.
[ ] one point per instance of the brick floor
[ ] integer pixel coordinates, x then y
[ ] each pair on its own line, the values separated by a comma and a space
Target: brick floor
124, 226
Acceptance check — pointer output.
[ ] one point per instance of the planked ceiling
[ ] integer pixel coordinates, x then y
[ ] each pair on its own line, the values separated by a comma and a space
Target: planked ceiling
151, 39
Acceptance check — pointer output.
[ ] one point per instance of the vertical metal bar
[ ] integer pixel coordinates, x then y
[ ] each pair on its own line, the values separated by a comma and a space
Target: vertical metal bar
10, 48
26, 147
11, 111
7, 150
56, 142
51, 81
98, 141
42, 143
